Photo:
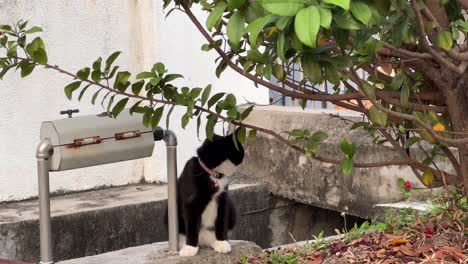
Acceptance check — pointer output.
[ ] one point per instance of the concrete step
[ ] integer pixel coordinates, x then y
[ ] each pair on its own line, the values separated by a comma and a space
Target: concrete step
158, 253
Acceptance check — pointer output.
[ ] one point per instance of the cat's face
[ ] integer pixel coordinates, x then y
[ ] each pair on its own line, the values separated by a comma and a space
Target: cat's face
221, 154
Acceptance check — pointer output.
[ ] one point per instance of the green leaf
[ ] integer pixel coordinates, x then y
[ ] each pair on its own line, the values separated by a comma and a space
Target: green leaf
36, 49
33, 30
307, 25
157, 116
95, 95
282, 23
241, 135
282, 7
303, 103
235, 29
378, 117
155, 81
83, 92
206, 47
255, 28
147, 116
397, 81
198, 126
158, 68
96, 75
83, 74
209, 129
205, 95
27, 68
411, 141
278, 72
319, 136
171, 77
231, 100
341, 3
252, 134
444, 40
296, 133
5, 27
135, 108
119, 107
232, 113
281, 46
361, 11
346, 166
169, 115
97, 64
325, 17
311, 68
69, 89
235, 4
215, 98
215, 15
331, 73
344, 20
348, 149
311, 147
404, 94
121, 80
246, 112
136, 87
111, 59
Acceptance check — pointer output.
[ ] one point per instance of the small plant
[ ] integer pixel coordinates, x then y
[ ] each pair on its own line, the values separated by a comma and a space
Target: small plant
358, 231
317, 243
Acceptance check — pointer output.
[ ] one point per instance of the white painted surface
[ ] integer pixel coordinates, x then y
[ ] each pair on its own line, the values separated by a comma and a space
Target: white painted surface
77, 32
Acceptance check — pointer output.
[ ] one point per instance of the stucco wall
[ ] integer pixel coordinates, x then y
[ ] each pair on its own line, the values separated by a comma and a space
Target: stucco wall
77, 32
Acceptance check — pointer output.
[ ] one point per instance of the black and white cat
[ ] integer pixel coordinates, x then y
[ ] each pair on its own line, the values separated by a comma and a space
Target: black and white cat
206, 213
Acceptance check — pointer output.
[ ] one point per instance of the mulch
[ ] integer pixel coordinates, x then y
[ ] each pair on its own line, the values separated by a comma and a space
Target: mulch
383, 248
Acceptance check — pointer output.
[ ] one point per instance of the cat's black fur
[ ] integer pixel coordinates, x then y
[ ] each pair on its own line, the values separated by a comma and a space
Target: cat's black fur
196, 189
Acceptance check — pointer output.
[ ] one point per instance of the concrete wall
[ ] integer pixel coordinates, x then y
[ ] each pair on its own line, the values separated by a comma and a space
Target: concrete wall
77, 32
292, 175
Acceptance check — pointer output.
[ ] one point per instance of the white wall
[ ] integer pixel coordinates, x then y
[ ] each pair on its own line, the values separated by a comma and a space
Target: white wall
178, 45
77, 32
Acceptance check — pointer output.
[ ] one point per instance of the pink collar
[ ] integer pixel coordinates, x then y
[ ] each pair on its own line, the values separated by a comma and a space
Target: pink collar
208, 170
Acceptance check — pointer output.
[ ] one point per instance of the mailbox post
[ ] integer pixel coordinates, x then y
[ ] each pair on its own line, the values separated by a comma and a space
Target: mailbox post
86, 141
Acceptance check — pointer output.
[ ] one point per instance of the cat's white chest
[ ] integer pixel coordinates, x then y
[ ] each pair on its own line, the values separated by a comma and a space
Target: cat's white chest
210, 213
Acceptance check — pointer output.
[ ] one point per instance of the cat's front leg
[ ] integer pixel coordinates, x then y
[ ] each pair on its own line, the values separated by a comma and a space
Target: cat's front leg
221, 244
192, 227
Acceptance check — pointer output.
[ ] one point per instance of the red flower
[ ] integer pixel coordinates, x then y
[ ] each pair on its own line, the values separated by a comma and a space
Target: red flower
407, 185
428, 233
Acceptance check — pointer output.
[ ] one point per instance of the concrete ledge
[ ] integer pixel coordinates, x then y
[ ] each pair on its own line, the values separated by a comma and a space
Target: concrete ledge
99, 221
291, 175
158, 253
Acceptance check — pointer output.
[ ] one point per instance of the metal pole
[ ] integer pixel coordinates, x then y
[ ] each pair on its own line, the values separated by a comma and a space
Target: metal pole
173, 221
44, 151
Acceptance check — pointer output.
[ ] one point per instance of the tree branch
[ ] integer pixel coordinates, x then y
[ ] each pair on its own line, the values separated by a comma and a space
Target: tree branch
425, 43
458, 141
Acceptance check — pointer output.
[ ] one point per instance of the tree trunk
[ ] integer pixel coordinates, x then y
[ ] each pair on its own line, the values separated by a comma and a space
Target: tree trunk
457, 101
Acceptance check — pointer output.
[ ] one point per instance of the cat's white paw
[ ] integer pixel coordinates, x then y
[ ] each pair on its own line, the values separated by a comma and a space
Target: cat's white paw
188, 251
221, 246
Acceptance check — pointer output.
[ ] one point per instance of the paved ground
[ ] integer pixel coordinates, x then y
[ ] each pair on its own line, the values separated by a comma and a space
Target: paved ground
158, 253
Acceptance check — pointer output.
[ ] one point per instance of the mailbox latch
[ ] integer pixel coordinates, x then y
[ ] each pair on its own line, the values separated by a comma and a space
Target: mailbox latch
87, 141
127, 135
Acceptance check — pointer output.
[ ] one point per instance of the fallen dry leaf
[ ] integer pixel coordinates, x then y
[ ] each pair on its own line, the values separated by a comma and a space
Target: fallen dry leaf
399, 241
408, 251
381, 253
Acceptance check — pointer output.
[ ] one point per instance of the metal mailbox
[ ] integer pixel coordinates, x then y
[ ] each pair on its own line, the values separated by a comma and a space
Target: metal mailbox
83, 141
